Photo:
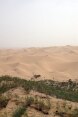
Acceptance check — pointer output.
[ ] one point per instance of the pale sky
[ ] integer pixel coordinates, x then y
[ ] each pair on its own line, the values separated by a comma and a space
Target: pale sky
32, 23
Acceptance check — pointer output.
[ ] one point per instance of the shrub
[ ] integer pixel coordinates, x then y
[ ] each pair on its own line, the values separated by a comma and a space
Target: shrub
3, 102
42, 106
29, 101
19, 111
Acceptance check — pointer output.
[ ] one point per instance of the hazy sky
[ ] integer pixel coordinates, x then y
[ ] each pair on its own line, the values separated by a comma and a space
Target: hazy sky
26, 23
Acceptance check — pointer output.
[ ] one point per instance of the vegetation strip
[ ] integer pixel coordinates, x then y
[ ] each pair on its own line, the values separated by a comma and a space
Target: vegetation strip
63, 90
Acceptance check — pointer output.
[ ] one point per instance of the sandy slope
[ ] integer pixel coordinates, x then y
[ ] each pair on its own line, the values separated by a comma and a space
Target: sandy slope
59, 63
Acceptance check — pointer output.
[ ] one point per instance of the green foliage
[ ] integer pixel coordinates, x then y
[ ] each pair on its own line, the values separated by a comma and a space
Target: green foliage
29, 101
64, 90
42, 106
3, 102
19, 111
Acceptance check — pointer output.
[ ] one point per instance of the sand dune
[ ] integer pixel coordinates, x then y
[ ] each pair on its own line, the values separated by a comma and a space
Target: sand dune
59, 63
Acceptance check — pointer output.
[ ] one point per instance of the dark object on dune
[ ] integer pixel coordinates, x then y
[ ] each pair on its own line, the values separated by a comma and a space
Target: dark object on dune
37, 76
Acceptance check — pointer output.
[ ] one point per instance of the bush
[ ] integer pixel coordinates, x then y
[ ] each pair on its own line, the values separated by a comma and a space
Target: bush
42, 106
3, 102
29, 101
19, 111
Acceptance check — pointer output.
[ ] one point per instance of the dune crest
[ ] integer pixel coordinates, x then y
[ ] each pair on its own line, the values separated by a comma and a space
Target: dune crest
59, 63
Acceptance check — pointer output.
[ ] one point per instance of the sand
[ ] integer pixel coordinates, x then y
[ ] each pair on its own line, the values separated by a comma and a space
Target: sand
58, 63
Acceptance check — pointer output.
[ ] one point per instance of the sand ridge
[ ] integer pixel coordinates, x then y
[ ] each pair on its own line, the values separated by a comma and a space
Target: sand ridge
59, 63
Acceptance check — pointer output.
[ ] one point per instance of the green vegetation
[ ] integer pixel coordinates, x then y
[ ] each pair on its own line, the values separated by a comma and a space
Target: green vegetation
38, 104
63, 90
3, 102
29, 101
19, 111
42, 106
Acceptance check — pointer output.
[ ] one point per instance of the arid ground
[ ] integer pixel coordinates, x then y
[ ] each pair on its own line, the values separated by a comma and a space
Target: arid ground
39, 82
59, 63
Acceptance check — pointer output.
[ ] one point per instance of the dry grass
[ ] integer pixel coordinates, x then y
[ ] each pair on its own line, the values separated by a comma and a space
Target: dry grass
18, 92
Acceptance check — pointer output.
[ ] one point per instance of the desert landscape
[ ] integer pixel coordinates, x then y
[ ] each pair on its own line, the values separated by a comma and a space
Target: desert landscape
59, 63
38, 58
39, 82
